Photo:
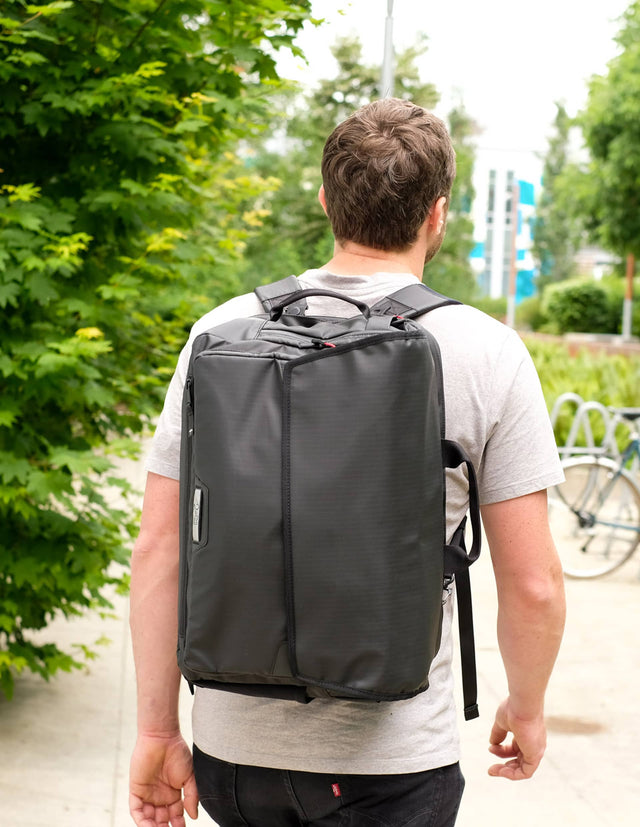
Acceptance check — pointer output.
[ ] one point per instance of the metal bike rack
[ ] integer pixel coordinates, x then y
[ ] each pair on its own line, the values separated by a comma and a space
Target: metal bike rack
582, 423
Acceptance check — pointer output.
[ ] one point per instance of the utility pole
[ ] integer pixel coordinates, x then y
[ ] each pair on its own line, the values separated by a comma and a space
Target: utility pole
513, 270
387, 76
627, 307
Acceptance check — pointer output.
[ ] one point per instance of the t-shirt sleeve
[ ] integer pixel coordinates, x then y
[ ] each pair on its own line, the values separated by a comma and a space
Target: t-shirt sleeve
164, 453
520, 454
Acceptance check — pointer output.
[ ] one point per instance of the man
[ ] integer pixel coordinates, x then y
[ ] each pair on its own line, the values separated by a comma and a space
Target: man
387, 176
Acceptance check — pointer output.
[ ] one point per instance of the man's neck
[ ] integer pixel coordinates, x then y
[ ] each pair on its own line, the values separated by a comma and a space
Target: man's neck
354, 259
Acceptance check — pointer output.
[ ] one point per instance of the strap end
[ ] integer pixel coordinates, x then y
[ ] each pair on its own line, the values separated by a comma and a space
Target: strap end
471, 712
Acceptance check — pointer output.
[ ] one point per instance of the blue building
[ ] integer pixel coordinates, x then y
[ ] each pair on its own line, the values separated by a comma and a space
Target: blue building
504, 204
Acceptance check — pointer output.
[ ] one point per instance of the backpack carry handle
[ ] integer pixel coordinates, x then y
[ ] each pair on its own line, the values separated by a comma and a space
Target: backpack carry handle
277, 309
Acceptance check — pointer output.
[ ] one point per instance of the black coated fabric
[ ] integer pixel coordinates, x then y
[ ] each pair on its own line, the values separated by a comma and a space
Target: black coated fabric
412, 301
312, 507
271, 294
361, 511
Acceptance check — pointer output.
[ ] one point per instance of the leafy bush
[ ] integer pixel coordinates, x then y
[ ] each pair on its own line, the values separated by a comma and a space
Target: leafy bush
529, 314
117, 204
578, 305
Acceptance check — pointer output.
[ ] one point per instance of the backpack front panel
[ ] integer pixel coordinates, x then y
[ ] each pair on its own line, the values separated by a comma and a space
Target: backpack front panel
364, 524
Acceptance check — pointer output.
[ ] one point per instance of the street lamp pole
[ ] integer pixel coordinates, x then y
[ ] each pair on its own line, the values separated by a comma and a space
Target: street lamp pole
387, 77
627, 307
513, 269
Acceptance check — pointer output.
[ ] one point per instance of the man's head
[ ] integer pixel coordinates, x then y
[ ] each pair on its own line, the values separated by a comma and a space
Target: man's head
383, 171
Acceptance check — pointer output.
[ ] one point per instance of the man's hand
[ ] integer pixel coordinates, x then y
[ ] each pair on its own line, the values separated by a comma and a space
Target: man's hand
526, 749
161, 767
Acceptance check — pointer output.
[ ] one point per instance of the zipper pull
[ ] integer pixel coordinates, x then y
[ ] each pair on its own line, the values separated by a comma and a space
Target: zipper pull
320, 343
189, 392
398, 322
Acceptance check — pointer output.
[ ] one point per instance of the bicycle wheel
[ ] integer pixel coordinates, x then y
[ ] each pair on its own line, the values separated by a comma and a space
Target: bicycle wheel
594, 516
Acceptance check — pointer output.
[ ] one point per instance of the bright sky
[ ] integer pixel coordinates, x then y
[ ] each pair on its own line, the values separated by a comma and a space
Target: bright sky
508, 60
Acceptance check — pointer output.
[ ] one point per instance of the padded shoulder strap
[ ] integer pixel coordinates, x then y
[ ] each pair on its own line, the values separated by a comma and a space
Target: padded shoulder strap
271, 294
411, 301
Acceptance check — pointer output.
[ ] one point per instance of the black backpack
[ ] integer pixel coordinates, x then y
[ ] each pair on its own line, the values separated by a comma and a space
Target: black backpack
312, 503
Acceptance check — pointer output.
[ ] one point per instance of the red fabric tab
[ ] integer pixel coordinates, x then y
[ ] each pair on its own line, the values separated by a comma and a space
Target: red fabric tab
336, 790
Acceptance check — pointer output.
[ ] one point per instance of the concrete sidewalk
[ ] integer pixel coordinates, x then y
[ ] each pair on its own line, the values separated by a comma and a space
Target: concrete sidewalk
66, 745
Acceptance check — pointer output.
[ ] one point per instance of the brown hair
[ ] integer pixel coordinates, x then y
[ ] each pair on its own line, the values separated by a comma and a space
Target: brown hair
383, 169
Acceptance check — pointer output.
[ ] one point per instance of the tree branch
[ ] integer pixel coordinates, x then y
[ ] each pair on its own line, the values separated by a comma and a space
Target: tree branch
142, 28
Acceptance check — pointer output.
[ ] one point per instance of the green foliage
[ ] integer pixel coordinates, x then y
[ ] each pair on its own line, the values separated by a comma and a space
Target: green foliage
529, 314
615, 287
450, 271
556, 230
580, 305
118, 204
606, 190
612, 380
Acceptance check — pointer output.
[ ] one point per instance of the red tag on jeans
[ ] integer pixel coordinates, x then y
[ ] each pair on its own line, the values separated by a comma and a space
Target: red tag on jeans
336, 790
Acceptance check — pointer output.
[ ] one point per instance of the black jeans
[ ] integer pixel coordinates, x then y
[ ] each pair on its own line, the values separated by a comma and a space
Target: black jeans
236, 795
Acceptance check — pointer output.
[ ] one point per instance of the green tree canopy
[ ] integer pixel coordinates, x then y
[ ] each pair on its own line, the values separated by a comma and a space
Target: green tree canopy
556, 230
118, 194
607, 189
450, 271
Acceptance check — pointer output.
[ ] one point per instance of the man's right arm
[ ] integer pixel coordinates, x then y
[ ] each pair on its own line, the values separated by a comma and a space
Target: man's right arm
531, 613
161, 765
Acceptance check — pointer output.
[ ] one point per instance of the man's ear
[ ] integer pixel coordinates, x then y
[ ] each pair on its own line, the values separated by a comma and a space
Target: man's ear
322, 199
438, 216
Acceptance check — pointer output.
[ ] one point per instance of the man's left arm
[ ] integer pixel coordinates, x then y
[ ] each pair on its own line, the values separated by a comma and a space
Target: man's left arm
531, 613
161, 764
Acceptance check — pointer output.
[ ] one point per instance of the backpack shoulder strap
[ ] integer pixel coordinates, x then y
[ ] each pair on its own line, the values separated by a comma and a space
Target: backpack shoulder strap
270, 294
411, 301
456, 562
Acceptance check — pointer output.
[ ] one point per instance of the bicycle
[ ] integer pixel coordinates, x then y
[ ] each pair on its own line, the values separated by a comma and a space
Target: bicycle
595, 513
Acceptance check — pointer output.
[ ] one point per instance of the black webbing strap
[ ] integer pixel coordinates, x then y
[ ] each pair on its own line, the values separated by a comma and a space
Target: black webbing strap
453, 456
282, 692
411, 301
457, 562
467, 645
272, 294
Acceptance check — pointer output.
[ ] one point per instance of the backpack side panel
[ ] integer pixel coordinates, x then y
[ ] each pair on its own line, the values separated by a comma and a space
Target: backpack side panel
234, 570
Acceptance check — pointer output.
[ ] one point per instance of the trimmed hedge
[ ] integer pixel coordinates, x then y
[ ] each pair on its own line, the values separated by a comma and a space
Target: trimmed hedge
586, 306
580, 306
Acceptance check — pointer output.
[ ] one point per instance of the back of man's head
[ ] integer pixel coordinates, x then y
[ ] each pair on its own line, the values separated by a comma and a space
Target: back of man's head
383, 169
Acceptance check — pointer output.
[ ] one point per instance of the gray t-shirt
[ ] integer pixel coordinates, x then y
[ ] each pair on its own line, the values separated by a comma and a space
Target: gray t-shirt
496, 411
